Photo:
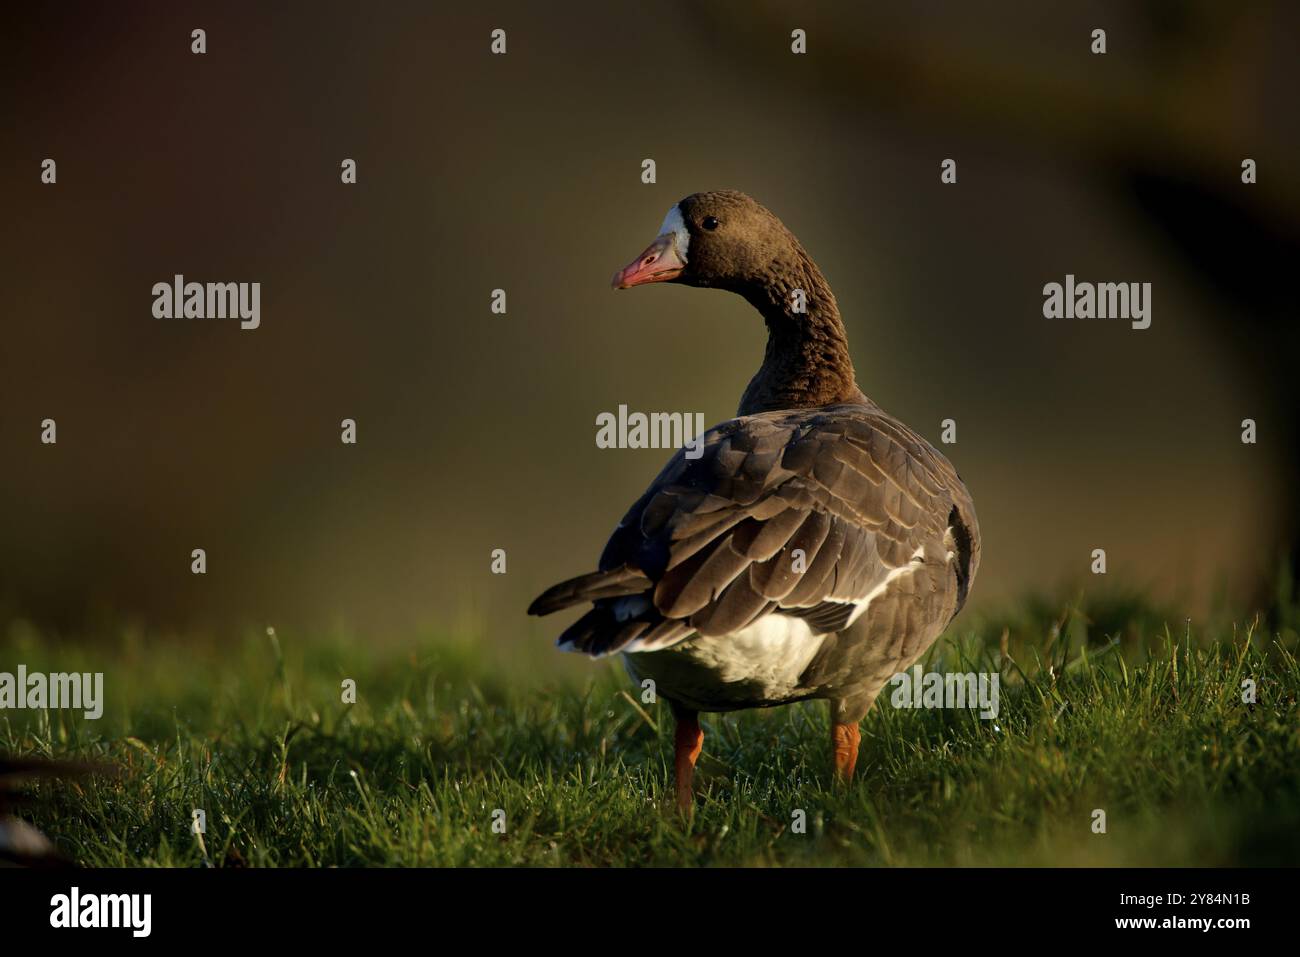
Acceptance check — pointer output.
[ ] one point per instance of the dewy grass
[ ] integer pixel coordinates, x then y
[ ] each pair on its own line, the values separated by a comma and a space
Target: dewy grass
445, 759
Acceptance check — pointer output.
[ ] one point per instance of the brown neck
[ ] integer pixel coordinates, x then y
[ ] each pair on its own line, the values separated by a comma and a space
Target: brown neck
807, 360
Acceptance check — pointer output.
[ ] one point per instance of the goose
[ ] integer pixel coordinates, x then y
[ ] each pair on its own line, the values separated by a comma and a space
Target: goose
815, 547
22, 845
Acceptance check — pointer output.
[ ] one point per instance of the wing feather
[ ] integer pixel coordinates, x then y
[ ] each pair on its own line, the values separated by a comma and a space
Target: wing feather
711, 546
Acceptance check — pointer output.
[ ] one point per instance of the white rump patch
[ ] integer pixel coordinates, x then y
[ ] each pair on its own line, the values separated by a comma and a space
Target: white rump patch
761, 663
673, 223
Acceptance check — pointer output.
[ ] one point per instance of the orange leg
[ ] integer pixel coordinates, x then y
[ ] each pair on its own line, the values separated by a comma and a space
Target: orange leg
844, 746
689, 741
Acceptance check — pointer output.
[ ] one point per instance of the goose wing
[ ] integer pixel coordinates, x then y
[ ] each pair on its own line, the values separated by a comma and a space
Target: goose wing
805, 512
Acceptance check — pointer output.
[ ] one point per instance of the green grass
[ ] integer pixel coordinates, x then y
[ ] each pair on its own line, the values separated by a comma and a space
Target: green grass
1101, 707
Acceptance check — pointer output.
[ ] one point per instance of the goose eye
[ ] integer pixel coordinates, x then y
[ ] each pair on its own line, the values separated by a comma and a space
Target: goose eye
709, 223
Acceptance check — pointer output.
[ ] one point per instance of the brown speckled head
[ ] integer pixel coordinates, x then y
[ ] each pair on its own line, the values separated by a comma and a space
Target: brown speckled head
734, 240
721, 239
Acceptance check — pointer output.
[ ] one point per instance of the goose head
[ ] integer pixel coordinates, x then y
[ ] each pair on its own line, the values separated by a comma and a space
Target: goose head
721, 239
725, 240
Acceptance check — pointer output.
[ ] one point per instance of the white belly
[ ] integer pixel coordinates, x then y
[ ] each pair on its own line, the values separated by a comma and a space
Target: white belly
758, 665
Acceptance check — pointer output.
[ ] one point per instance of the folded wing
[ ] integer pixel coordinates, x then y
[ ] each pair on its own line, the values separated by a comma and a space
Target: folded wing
805, 512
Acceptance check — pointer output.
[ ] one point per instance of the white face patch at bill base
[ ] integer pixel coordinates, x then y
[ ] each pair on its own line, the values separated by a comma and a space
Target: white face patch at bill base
676, 226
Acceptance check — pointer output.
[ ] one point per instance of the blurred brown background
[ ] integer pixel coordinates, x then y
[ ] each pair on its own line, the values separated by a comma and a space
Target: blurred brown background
522, 172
